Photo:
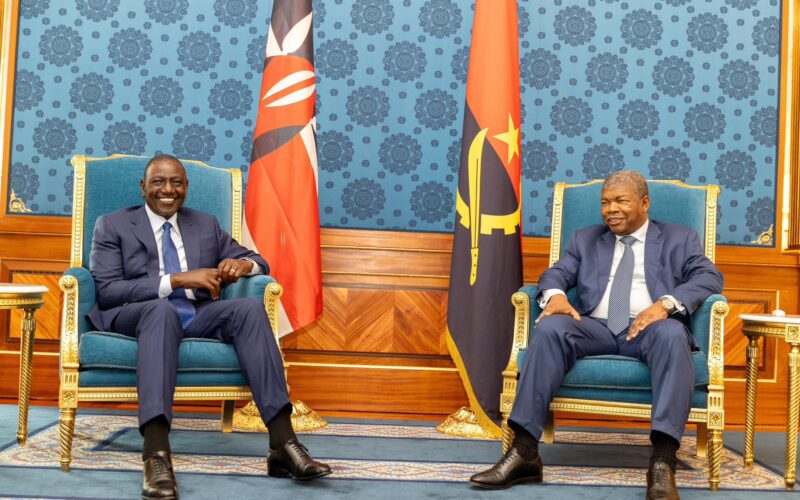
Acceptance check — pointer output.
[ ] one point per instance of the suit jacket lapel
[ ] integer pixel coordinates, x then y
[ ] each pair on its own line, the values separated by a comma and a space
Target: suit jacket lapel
140, 225
605, 254
191, 240
652, 258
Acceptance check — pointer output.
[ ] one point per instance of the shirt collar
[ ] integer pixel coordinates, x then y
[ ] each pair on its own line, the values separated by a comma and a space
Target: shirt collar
157, 221
640, 234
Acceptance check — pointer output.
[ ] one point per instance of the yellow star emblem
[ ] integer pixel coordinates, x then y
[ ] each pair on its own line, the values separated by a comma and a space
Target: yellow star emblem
511, 138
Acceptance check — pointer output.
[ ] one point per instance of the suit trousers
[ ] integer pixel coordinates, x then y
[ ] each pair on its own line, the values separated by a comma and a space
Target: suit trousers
558, 341
242, 322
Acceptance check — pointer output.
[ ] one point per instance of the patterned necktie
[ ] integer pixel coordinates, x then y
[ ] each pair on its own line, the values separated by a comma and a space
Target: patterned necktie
619, 299
172, 264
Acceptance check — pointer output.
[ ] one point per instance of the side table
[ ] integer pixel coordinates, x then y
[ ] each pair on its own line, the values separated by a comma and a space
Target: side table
786, 328
28, 298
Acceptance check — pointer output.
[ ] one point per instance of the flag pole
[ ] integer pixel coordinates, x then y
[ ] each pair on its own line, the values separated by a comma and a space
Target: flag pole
281, 208
486, 261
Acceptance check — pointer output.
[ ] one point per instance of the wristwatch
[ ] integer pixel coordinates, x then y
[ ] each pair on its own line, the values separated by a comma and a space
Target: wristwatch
668, 304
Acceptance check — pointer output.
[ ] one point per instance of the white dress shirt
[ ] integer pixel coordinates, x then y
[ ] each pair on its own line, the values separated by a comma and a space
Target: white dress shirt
640, 296
157, 224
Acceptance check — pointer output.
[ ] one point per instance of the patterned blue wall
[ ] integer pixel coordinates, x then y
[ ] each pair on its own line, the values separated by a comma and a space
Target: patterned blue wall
680, 89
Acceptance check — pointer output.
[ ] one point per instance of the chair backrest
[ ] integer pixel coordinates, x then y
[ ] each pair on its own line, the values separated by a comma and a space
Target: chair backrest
105, 185
576, 206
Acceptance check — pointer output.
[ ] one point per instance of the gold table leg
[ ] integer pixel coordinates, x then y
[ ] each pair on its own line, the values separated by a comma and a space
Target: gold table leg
790, 476
751, 384
25, 357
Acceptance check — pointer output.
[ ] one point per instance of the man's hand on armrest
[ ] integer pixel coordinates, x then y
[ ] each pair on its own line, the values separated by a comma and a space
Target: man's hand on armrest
558, 304
198, 278
230, 270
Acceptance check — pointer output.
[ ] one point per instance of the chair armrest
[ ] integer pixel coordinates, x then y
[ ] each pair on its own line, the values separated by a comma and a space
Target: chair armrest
526, 310
708, 327
261, 287
700, 321
248, 286
86, 295
532, 292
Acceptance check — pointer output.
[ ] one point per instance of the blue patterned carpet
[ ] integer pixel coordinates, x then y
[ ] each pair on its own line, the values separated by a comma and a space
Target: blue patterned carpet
371, 459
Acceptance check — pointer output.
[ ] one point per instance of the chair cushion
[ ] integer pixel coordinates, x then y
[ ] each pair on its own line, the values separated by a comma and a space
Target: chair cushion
106, 350
127, 378
699, 396
623, 379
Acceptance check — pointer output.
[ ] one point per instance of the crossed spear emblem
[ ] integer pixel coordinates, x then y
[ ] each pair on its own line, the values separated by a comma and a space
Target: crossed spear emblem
470, 215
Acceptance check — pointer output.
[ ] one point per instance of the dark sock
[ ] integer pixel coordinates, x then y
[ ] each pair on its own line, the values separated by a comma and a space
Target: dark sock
156, 436
526, 444
665, 448
280, 428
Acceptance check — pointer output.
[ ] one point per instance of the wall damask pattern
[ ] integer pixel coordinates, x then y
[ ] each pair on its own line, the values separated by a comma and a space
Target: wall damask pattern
675, 89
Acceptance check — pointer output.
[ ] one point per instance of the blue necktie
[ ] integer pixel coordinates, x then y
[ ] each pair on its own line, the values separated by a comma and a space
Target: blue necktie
172, 265
619, 299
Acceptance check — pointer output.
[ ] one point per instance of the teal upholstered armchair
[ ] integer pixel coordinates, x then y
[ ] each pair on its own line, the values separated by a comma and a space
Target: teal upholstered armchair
101, 366
617, 385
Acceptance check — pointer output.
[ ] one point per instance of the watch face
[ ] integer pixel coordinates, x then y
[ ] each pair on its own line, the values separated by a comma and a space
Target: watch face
668, 304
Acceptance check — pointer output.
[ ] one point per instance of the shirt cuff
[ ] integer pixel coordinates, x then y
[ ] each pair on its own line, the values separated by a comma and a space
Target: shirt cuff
678, 306
256, 268
549, 294
165, 287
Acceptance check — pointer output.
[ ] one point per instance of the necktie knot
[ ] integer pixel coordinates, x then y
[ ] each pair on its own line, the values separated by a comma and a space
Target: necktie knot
167, 226
626, 240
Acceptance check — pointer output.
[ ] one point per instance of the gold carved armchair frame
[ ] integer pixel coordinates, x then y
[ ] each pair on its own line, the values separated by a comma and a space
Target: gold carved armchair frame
710, 420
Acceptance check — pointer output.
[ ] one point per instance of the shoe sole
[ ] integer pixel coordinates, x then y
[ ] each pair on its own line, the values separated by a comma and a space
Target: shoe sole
283, 473
145, 497
523, 480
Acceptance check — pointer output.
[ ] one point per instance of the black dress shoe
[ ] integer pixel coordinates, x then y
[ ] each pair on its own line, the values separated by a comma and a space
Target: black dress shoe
292, 460
159, 479
510, 470
661, 482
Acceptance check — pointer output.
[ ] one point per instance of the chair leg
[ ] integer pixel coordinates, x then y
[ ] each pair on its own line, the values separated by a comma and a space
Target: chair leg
67, 430
549, 429
227, 415
508, 434
714, 458
702, 440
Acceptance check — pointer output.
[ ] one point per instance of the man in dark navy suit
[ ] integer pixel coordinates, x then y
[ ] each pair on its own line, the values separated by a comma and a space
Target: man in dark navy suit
636, 283
158, 270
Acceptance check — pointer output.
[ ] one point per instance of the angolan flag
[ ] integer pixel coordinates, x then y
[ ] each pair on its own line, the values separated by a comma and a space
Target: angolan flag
281, 210
487, 255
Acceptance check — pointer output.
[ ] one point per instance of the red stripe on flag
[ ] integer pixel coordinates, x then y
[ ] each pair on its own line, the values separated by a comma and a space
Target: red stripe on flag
283, 219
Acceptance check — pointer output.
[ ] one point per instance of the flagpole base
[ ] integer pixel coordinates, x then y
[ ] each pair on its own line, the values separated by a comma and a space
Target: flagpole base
303, 418
248, 419
463, 423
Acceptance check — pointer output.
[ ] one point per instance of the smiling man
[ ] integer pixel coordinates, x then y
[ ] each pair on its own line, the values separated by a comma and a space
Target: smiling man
636, 282
158, 270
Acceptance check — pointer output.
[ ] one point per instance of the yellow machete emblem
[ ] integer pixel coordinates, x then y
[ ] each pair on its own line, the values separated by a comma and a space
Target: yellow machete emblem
470, 215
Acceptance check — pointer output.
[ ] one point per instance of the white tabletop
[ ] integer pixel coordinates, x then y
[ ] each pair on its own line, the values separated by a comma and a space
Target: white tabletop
769, 318
14, 288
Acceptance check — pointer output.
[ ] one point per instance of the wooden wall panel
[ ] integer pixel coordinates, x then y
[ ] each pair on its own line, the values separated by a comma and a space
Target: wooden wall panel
379, 346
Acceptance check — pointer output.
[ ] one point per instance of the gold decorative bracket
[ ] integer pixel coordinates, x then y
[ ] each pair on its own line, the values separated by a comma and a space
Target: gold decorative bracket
463, 423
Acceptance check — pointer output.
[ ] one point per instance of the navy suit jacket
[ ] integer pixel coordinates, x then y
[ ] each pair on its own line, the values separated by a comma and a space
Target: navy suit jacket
124, 257
674, 265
